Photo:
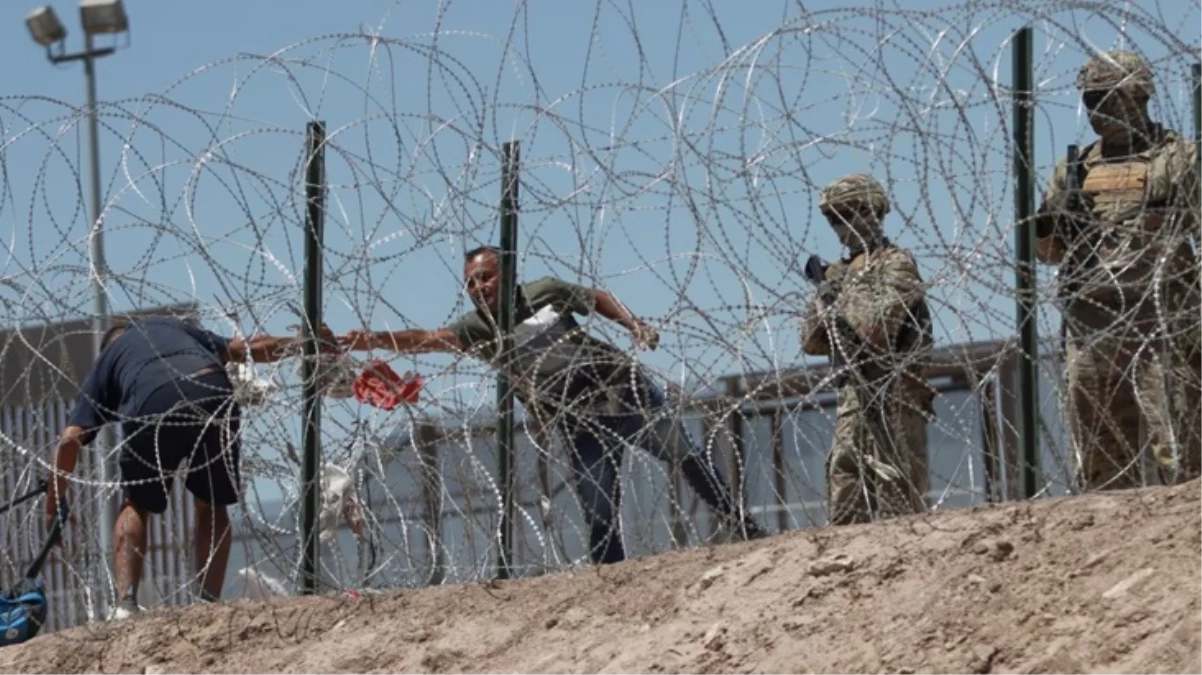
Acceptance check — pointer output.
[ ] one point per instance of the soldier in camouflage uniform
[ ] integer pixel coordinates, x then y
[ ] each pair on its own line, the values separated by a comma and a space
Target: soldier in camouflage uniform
881, 297
1129, 291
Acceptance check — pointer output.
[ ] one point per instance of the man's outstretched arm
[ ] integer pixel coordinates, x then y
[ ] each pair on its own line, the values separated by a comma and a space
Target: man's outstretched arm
608, 306
415, 341
262, 348
271, 348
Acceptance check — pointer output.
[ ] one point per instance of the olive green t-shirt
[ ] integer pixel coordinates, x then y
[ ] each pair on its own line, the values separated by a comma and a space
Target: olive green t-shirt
556, 364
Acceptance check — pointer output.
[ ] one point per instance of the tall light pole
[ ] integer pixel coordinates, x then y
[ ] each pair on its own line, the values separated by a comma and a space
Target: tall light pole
98, 17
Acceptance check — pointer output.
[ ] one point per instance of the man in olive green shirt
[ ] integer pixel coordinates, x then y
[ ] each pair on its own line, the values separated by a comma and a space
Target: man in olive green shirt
595, 394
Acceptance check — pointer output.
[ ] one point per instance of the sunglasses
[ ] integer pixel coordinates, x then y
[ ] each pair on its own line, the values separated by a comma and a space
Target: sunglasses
843, 212
1093, 100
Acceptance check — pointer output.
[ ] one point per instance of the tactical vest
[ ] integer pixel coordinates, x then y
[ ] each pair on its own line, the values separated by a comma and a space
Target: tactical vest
1135, 236
914, 335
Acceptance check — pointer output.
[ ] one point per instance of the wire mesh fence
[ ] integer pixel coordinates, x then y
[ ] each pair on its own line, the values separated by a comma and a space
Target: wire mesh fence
674, 158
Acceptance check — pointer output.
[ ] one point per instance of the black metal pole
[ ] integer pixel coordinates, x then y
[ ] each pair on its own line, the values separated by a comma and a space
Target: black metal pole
505, 318
1024, 244
315, 188
1197, 72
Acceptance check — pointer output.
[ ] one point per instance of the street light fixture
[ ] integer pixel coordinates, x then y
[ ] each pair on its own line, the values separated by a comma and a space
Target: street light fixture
99, 17
44, 26
103, 17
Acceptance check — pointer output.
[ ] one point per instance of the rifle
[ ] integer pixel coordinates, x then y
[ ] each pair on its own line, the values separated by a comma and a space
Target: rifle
871, 407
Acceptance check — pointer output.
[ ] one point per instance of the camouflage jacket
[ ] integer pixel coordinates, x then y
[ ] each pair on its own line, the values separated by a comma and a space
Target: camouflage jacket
1142, 210
882, 296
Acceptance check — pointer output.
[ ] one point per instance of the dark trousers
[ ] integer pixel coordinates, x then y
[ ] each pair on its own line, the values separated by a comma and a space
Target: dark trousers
193, 418
597, 444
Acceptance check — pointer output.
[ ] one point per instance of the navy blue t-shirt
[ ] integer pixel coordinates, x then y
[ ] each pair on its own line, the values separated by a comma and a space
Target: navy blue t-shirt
151, 353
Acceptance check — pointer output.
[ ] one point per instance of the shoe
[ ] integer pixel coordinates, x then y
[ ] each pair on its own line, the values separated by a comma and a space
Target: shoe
125, 609
751, 530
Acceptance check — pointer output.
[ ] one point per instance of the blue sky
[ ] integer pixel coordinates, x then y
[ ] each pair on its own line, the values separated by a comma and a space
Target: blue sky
672, 153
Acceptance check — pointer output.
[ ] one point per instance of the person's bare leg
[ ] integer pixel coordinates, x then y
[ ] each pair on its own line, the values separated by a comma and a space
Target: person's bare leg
212, 524
129, 548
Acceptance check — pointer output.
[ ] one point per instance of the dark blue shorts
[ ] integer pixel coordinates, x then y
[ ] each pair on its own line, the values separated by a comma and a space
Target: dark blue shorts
194, 419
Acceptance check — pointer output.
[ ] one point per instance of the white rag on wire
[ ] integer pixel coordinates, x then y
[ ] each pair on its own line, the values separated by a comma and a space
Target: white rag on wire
339, 502
249, 389
259, 585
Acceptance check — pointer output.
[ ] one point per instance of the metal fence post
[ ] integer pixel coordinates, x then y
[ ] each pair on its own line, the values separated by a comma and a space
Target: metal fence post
510, 156
1024, 244
315, 186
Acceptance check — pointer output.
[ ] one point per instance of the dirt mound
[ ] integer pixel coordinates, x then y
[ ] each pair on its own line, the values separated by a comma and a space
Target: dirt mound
1100, 583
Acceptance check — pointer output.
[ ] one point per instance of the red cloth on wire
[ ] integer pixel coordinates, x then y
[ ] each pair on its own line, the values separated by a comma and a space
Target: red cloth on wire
379, 386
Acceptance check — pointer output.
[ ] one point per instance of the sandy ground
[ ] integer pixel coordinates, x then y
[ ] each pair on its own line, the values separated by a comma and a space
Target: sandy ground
1100, 583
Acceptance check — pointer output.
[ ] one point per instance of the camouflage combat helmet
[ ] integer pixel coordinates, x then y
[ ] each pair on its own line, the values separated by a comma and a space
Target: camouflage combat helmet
1117, 71
857, 189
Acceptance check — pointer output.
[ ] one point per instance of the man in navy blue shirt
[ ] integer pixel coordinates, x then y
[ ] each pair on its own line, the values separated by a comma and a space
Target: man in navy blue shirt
164, 381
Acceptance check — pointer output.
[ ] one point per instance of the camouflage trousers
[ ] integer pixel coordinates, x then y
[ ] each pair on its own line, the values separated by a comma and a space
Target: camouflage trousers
1134, 395
866, 482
